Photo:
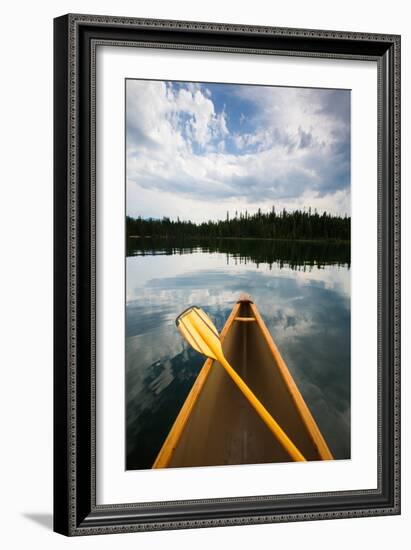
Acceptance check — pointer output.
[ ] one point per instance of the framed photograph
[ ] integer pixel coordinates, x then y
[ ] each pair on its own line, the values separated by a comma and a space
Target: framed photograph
227, 274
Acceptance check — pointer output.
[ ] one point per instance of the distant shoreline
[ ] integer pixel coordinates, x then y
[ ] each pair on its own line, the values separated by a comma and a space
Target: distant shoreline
213, 238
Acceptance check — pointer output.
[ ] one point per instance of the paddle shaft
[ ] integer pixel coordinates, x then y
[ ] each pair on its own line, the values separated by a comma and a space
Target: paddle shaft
265, 416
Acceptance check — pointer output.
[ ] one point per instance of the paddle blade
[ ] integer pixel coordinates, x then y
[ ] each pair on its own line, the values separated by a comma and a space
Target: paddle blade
200, 332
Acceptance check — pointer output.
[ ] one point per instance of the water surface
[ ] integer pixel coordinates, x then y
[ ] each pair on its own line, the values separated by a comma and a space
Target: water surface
302, 290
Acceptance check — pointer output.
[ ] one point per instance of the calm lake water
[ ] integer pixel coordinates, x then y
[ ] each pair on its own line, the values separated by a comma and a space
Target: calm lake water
302, 291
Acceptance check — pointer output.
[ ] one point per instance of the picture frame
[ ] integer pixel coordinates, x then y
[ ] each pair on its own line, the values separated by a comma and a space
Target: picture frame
76, 38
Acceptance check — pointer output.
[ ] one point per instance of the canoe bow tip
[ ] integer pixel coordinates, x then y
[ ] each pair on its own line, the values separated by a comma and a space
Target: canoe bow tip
244, 298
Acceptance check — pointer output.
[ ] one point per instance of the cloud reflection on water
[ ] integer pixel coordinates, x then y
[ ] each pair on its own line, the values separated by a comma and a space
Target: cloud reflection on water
307, 312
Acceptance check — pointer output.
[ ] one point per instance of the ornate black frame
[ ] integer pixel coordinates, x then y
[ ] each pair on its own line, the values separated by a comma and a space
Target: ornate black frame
76, 38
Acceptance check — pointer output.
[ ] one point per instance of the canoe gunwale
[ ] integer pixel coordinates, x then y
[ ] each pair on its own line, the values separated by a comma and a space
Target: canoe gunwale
301, 406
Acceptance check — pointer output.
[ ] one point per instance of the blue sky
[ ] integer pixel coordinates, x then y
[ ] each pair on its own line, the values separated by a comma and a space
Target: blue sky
197, 150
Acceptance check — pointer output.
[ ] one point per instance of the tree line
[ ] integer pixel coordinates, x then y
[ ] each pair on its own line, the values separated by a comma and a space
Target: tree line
298, 224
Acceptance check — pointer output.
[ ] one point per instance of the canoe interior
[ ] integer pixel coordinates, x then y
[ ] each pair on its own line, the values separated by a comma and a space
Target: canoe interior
221, 427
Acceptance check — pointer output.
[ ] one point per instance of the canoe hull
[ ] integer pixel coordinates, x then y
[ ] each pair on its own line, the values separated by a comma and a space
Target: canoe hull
217, 426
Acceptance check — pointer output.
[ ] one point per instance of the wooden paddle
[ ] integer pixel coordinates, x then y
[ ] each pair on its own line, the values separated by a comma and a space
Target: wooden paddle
200, 332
